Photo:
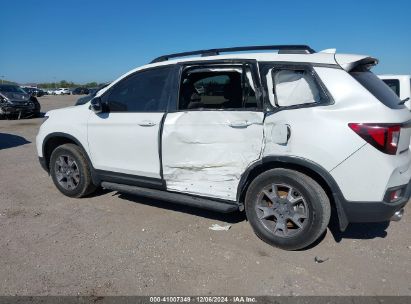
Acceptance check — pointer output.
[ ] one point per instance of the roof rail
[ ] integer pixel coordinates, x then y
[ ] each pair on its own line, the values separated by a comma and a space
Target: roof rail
282, 49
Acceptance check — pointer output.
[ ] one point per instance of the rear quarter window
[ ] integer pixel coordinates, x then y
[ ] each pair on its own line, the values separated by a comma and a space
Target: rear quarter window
378, 88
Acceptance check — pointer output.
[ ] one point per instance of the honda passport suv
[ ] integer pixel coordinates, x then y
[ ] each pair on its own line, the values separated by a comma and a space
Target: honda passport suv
285, 133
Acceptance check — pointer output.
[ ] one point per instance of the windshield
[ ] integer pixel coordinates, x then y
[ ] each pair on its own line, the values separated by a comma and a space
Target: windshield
9, 88
378, 88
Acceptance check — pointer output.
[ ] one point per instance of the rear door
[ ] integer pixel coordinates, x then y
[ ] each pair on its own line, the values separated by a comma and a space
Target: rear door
216, 130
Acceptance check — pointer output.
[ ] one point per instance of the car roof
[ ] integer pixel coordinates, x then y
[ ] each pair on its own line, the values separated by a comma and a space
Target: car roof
324, 58
260, 56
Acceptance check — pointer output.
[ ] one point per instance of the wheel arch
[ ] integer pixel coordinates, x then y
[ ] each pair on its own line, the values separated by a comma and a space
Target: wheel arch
312, 169
56, 139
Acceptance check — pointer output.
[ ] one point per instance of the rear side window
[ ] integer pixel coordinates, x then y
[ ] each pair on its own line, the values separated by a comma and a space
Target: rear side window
394, 84
144, 91
378, 88
290, 86
295, 87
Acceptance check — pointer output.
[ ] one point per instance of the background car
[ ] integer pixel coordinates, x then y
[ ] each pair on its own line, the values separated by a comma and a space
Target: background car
80, 91
92, 93
62, 91
34, 91
14, 101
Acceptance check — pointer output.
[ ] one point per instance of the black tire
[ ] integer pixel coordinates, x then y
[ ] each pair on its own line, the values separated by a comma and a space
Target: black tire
37, 106
311, 198
84, 186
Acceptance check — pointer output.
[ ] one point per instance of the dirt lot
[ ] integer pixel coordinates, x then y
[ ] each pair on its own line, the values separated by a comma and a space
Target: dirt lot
113, 244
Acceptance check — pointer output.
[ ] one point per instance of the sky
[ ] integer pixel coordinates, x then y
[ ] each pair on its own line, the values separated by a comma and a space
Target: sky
84, 41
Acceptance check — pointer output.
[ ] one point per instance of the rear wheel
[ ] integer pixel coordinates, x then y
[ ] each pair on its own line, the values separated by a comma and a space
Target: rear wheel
287, 209
70, 171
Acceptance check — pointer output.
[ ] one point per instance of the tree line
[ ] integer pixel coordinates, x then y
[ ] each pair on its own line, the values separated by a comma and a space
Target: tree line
60, 84
7, 82
66, 84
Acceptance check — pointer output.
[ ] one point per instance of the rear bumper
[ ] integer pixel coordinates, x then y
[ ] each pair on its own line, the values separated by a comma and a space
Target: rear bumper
361, 212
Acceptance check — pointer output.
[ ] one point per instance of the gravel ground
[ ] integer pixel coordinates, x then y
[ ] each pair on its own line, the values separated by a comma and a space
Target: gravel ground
115, 244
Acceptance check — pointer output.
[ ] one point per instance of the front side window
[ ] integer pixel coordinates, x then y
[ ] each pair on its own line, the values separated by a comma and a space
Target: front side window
230, 87
144, 91
394, 85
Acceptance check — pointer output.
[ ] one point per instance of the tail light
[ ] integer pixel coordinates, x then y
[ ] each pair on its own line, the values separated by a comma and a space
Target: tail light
381, 136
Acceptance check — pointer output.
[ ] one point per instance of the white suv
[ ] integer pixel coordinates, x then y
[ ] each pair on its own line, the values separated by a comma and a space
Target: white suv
62, 91
287, 135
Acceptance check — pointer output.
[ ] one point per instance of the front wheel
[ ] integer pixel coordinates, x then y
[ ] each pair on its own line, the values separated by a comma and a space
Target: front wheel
287, 209
70, 171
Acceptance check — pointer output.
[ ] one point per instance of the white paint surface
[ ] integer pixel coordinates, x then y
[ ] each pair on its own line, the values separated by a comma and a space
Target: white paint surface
125, 142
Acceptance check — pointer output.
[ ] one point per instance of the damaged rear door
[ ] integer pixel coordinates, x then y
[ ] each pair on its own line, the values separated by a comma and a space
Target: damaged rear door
215, 131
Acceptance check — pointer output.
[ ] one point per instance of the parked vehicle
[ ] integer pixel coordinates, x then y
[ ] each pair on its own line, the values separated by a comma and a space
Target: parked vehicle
62, 91
284, 136
92, 93
15, 102
80, 91
50, 91
401, 85
34, 91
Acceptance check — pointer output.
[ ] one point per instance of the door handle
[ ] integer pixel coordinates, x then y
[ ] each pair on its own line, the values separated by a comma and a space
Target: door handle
239, 124
147, 123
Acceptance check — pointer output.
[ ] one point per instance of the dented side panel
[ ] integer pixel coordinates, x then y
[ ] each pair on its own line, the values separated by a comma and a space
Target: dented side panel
205, 152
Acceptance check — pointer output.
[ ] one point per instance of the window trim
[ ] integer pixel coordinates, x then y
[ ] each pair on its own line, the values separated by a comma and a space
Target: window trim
252, 64
168, 87
274, 66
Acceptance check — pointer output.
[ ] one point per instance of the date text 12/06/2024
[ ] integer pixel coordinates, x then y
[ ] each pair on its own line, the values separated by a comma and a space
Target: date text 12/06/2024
233, 299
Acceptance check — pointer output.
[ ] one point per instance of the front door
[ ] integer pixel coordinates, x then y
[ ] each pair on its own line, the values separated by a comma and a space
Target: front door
126, 138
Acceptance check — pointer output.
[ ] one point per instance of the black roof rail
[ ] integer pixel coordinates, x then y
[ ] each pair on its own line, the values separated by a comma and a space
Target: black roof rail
282, 49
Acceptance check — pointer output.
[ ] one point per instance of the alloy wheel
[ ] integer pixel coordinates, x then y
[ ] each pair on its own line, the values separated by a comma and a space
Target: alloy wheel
282, 210
67, 172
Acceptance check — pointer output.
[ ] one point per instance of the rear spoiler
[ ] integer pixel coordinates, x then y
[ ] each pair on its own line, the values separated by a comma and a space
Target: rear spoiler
352, 63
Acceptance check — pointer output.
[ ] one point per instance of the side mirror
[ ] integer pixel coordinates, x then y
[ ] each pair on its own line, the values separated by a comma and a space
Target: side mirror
96, 105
